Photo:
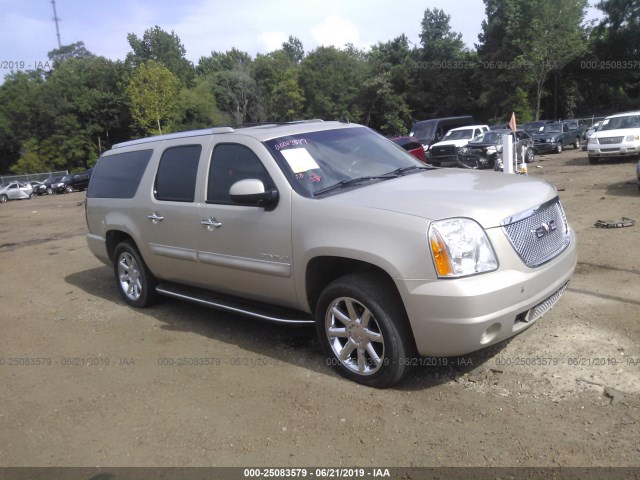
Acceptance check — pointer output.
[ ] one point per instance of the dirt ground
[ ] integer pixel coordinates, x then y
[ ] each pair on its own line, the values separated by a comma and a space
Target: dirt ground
87, 381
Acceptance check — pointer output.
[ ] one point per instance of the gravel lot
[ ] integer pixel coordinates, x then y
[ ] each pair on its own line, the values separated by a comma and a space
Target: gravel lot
87, 381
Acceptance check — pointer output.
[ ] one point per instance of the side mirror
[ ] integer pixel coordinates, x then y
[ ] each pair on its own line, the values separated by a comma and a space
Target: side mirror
251, 192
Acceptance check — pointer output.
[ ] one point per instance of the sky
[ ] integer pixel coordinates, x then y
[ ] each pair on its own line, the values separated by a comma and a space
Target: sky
28, 33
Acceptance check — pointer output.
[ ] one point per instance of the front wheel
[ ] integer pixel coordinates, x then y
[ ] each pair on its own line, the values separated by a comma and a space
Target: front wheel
3, 199
529, 156
559, 147
364, 331
136, 283
576, 143
49, 191
68, 189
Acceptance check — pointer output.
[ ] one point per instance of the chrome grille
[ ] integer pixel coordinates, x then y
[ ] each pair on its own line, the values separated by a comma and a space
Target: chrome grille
540, 234
542, 308
609, 140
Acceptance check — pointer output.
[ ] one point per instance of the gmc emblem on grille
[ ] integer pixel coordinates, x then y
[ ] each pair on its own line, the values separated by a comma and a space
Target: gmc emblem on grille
544, 229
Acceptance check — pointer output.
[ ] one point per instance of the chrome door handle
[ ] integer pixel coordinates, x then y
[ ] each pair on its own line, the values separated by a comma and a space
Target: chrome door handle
210, 222
155, 218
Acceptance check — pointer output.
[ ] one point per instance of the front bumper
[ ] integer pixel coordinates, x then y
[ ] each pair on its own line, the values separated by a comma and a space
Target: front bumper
545, 146
459, 316
619, 150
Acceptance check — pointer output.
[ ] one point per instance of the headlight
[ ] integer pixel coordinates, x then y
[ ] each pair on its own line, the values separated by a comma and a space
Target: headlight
491, 150
460, 247
498, 148
550, 140
593, 141
632, 138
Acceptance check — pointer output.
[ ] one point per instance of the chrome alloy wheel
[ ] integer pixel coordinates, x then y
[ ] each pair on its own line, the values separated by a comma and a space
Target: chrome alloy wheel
354, 336
129, 275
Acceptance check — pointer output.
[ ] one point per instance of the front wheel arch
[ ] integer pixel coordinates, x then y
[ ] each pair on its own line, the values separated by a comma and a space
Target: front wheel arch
364, 331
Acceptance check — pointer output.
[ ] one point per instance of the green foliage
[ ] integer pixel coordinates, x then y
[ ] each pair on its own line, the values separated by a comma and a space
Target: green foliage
161, 47
153, 94
197, 106
29, 161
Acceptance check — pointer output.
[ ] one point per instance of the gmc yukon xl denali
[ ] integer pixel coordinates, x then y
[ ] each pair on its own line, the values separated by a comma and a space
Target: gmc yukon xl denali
330, 224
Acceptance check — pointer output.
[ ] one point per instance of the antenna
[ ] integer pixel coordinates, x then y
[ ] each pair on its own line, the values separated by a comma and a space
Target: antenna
55, 19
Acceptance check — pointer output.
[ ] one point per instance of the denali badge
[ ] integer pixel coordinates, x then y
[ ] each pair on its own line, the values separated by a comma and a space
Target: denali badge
544, 229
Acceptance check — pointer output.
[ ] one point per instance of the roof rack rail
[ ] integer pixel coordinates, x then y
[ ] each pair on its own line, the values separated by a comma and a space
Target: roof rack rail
172, 136
209, 131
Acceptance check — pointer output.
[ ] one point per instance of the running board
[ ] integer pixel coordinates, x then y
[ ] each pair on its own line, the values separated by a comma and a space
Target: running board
249, 308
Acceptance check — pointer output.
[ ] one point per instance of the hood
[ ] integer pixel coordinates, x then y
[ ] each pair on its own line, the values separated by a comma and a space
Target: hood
460, 142
620, 132
487, 197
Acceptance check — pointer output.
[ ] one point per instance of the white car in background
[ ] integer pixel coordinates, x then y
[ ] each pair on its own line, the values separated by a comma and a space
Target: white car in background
445, 152
617, 136
16, 191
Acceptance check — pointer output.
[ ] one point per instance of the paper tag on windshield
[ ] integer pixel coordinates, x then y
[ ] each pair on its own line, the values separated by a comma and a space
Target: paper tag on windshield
299, 159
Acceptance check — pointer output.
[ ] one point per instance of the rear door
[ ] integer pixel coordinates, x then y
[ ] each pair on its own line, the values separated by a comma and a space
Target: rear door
170, 229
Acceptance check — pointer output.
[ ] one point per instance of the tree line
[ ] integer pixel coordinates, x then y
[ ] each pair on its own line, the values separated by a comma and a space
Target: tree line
539, 59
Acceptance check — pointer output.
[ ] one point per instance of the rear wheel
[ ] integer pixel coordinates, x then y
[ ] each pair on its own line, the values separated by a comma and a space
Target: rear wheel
136, 283
68, 189
364, 330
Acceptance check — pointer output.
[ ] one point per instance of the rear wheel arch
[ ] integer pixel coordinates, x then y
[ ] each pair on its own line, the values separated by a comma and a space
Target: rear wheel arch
114, 238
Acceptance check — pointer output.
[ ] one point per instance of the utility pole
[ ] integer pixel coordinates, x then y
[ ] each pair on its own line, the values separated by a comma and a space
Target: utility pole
55, 19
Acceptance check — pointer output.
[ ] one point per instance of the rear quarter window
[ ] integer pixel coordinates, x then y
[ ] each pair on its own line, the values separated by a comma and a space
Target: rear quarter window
118, 176
177, 172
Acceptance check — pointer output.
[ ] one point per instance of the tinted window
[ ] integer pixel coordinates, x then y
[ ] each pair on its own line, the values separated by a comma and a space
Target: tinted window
230, 163
118, 176
177, 172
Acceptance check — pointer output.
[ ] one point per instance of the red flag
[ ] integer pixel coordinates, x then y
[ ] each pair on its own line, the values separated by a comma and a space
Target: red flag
512, 122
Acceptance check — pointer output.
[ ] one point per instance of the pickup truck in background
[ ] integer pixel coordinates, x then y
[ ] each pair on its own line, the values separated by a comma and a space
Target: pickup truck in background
553, 137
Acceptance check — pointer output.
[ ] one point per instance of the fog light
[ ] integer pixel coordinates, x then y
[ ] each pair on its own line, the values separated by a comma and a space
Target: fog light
490, 333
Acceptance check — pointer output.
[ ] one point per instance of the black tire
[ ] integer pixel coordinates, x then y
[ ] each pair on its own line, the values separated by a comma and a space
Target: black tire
3, 199
32, 196
136, 283
559, 147
593, 160
49, 191
377, 353
576, 143
529, 156
68, 189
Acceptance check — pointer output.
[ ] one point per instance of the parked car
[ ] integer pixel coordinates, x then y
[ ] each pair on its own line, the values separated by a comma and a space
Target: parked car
329, 224
553, 137
72, 182
16, 191
617, 136
445, 152
410, 145
485, 151
38, 187
47, 184
431, 131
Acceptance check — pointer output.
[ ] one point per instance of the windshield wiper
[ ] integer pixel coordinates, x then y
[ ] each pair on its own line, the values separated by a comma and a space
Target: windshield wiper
403, 170
354, 181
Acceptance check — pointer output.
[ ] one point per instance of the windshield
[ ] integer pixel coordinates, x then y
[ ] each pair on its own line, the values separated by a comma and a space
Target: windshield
424, 130
488, 137
630, 121
533, 127
459, 134
553, 128
317, 160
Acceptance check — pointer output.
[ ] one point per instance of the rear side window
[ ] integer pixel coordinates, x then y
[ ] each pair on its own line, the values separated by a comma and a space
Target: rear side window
177, 172
118, 176
230, 163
